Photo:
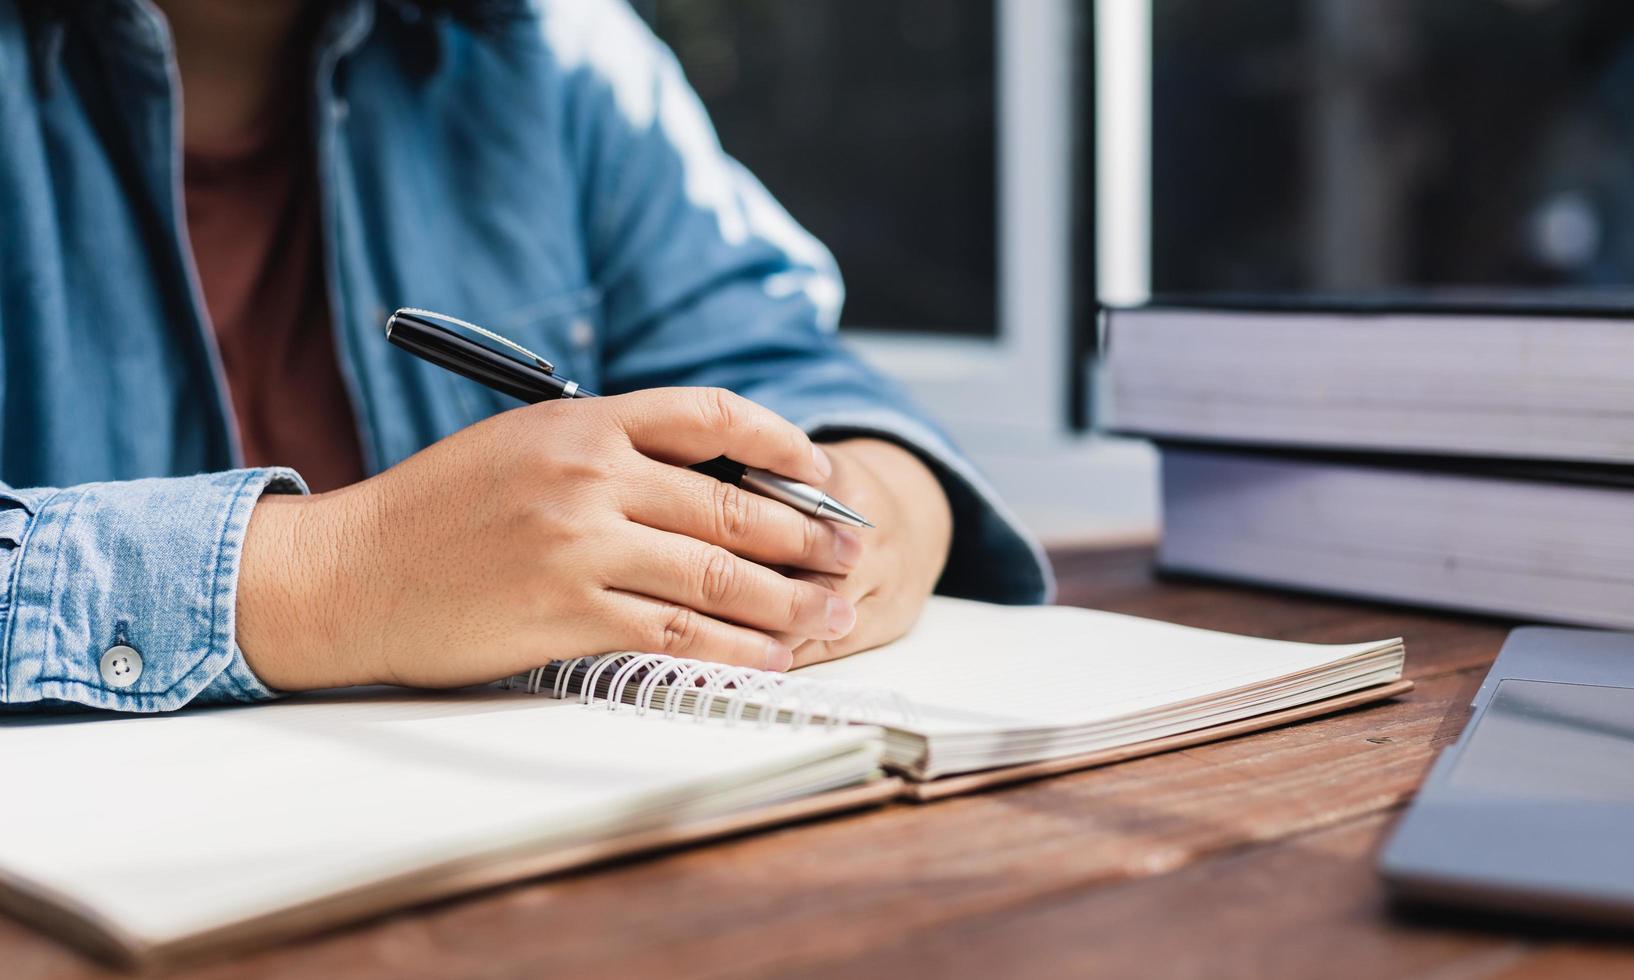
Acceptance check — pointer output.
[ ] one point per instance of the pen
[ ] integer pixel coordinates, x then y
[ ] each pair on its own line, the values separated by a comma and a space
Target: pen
431, 336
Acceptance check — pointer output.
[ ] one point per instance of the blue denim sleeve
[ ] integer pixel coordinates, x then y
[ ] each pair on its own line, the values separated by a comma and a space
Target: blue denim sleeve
708, 281
149, 567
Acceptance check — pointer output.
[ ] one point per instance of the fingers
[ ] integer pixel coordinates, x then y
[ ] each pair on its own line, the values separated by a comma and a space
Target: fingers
877, 623
690, 425
758, 528
716, 582
719, 583
655, 626
815, 650
820, 651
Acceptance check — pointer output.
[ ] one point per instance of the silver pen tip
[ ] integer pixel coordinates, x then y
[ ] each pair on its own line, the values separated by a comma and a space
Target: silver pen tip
835, 511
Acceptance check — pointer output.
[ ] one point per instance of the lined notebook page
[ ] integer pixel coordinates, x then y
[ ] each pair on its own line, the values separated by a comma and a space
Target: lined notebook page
971, 666
173, 824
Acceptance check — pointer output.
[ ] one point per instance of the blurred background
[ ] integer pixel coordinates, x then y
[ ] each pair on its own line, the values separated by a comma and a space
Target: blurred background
988, 171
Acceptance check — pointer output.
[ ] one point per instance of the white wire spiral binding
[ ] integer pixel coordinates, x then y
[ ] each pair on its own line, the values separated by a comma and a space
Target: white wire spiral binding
708, 690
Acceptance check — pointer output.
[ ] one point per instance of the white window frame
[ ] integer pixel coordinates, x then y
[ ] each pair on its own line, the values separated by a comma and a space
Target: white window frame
1004, 398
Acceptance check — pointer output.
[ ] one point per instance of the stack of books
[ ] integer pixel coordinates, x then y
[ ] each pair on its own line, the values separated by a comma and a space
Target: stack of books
1467, 458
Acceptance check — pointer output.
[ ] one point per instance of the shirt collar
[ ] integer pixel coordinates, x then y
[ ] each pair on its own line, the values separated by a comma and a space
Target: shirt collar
135, 30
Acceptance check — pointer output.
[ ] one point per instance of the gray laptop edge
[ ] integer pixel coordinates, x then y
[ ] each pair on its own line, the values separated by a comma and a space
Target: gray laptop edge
1532, 810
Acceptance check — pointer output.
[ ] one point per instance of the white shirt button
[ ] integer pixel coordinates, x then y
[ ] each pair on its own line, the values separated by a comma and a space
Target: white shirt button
121, 666
581, 333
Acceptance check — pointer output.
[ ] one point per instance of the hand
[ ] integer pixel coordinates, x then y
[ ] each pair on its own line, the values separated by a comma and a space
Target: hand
552, 531
901, 557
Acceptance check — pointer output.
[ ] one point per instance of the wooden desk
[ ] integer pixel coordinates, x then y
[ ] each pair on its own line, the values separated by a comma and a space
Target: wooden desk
1250, 858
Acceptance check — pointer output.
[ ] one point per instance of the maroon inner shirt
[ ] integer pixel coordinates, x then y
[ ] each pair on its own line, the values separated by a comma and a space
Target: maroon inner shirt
252, 217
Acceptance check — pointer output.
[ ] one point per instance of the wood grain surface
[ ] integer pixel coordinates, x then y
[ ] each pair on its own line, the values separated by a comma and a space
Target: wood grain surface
1250, 857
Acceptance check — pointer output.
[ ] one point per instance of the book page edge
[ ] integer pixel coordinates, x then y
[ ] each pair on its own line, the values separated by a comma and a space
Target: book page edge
957, 785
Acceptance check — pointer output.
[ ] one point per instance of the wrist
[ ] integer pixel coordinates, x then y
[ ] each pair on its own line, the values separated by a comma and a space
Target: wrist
284, 621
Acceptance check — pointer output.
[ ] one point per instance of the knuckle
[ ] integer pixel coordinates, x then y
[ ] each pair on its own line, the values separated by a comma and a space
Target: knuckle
811, 539
560, 529
678, 629
719, 408
539, 521
581, 469
734, 513
717, 579
562, 459
796, 612
803, 600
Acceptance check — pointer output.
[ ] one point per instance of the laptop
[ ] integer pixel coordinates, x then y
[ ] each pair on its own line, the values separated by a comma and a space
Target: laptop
1531, 811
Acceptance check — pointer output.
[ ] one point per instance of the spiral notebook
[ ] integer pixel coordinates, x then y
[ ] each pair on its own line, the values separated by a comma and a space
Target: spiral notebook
149, 839
979, 687
156, 837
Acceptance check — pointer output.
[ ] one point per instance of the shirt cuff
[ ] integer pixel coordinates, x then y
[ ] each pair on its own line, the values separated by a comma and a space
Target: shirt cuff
123, 596
993, 556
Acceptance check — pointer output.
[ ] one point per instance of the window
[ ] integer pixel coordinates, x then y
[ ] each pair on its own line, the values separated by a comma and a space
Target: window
873, 122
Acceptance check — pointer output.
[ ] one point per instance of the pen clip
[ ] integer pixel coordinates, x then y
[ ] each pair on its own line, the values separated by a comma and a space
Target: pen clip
543, 364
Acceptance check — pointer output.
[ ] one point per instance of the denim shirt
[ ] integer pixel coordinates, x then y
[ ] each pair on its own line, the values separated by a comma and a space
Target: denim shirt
554, 179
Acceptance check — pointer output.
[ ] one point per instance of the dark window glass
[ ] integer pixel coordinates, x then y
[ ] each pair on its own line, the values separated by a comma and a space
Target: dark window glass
872, 121
1354, 144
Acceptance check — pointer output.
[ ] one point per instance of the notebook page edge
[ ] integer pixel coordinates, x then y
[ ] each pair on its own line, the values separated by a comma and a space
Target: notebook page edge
111, 912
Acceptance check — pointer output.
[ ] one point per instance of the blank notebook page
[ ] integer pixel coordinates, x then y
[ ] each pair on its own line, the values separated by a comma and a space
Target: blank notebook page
971, 667
168, 825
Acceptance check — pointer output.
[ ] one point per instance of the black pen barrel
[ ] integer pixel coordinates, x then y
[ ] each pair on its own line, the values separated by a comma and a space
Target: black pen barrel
469, 359
434, 342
